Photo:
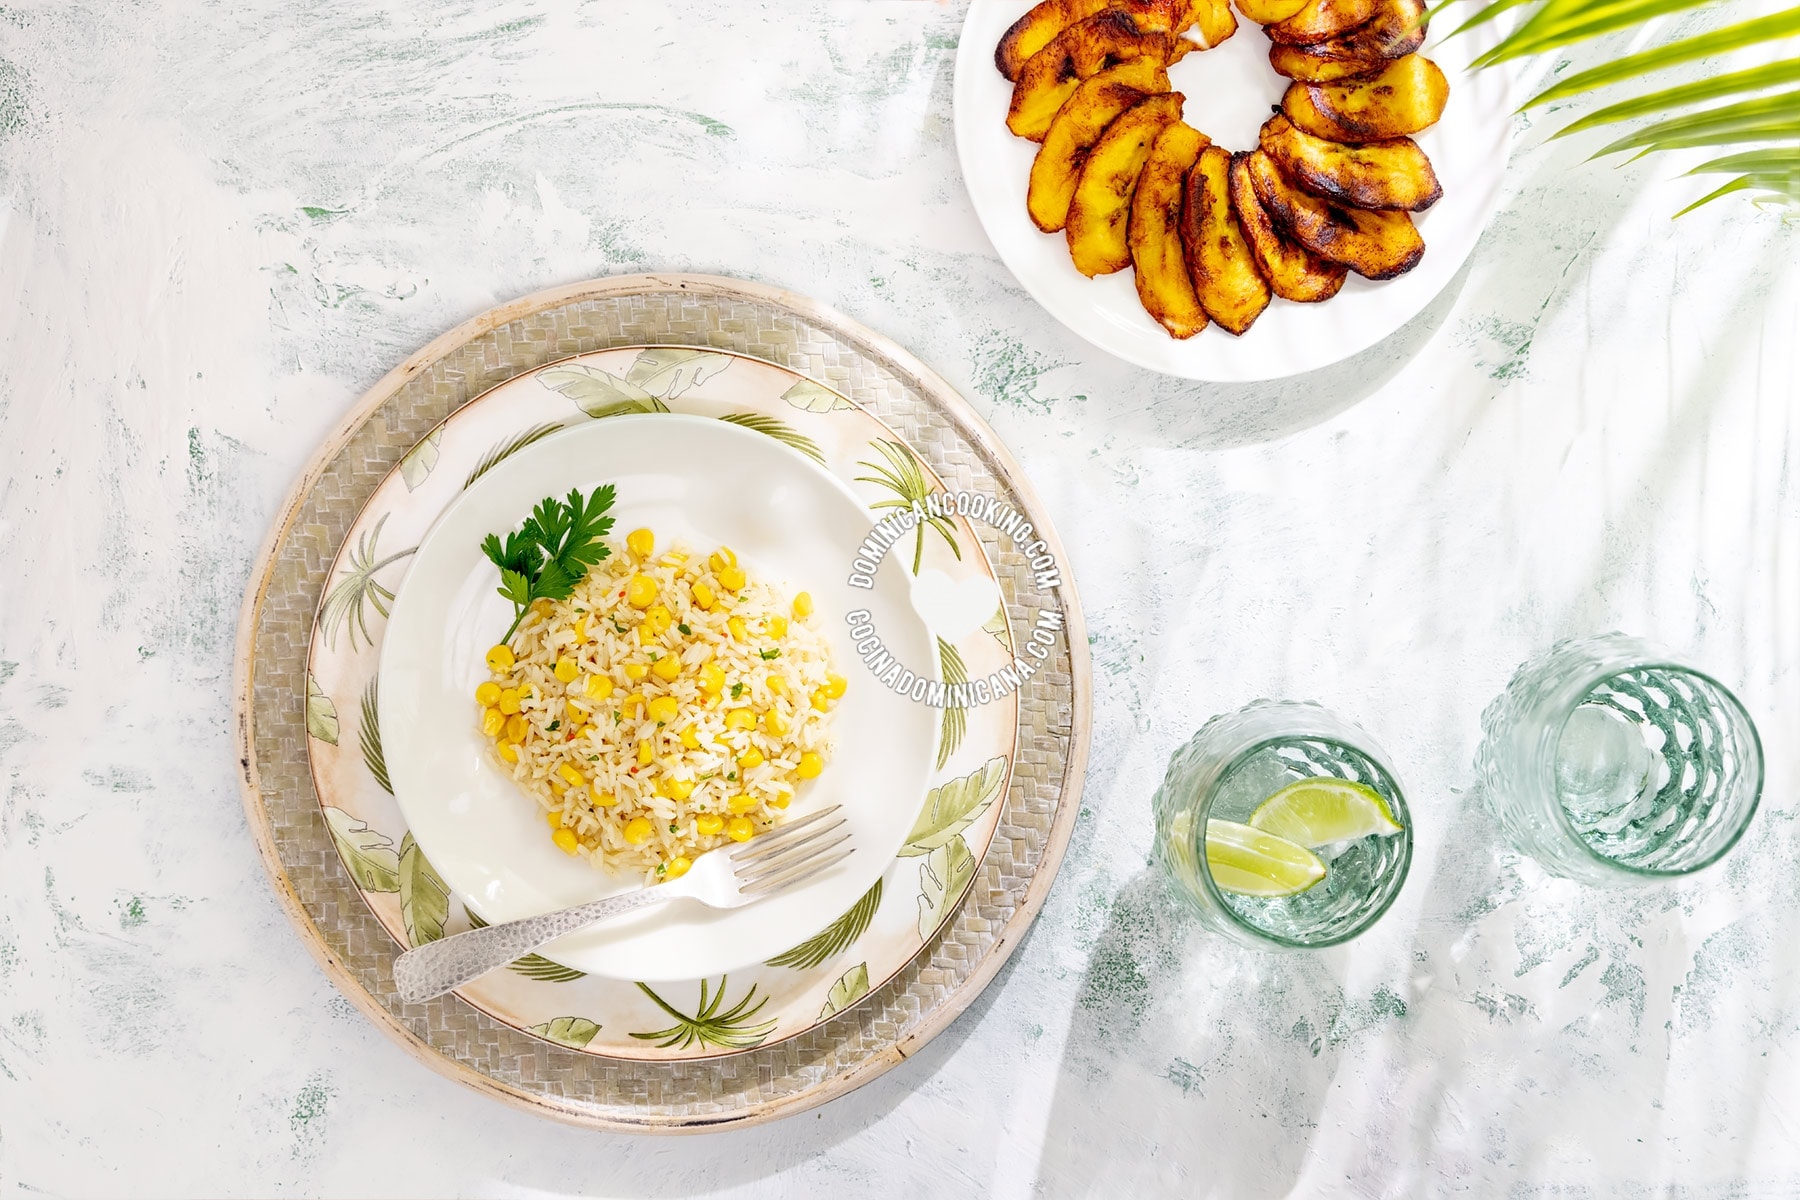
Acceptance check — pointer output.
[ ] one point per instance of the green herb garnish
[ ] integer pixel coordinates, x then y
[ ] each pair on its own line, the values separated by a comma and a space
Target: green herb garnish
685, 631
551, 552
737, 690
767, 655
553, 727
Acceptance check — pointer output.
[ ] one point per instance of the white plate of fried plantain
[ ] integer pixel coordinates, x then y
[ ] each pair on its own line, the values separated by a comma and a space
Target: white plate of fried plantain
1229, 193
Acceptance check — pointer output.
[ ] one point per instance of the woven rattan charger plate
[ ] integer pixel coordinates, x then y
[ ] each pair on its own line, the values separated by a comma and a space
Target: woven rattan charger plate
318, 893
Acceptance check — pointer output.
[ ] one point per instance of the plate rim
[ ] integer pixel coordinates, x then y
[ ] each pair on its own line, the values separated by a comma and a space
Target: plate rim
951, 406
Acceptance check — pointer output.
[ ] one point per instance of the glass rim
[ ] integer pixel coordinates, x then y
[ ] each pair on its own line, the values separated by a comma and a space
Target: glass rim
1552, 736
1358, 740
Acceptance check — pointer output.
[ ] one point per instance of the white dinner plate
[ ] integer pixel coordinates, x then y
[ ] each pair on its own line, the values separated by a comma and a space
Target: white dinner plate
1230, 90
695, 480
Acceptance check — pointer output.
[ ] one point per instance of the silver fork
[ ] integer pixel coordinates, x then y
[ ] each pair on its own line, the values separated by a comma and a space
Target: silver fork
791, 854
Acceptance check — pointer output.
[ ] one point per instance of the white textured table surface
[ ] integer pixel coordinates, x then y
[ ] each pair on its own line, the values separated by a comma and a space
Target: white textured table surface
220, 223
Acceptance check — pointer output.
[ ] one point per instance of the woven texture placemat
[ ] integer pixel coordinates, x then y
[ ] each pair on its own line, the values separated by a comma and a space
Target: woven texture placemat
318, 893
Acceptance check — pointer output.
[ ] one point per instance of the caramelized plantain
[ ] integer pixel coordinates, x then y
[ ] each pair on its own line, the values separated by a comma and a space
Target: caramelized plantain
1376, 244
1163, 285
1267, 12
1387, 174
1397, 30
1079, 124
1101, 210
1300, 63
1081, 51
1294, 272
1321, 20
1407, 96
1231, 289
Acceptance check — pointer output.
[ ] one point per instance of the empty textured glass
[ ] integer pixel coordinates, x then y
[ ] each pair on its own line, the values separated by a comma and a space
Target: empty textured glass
1610, 762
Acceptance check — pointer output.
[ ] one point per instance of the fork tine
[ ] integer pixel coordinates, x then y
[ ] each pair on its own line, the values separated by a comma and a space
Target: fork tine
798, 858
780, 835
804, 871
790, 852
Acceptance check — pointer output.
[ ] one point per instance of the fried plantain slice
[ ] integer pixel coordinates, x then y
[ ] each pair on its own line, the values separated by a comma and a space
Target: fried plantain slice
1294, 272
1299, 63
1081, 51
1375, 244
1267, 12
1321, 20
1387, 174
1213, 20
1396, 30
1101, 210
1163, 285
1037, 28
1408, 96
1079, 124
1231, 289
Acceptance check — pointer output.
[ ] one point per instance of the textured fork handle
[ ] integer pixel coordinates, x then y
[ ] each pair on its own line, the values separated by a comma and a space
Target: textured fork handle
437, 967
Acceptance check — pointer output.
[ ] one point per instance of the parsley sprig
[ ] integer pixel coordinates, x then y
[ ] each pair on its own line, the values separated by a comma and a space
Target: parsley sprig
551, 552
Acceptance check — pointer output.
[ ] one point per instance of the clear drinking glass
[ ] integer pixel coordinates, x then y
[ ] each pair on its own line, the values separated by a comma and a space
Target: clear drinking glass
1236, 762
1613, 763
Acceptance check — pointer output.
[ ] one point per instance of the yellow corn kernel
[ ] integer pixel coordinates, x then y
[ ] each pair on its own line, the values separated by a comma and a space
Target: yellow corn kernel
777, 627
742, 803
583, 729
712, 678
554, 816
509, 701
646, 634
659, 618
810, 766
835, 687
574, 713
509, 752
689, 738
566, 670
732, 579
581, 628
666, 668
673, 558
516, 728
638, 830
704, 597
606, 800
721, 558
488, 694
780, 799
709, 824
820, 700
678, 789
739, 829
646, 752
778, 685
803, 605
557, 786
542, 607
598, 687
633, 706
641, 542
640, 591
774, 724
566, 840
492, 721
676, 867
575, 778
500, 659
664, 709
636, 671
750, 758
739, 631
740, 718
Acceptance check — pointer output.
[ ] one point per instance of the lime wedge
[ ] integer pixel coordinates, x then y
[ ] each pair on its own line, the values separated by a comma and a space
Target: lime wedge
1250, 862
1317, 812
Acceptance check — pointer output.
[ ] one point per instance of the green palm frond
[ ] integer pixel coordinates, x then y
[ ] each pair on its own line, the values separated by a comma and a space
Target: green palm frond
729, 1030
835, 936
533, 966
507, 449
370, 736
358, 586
955, 725
901, 474
781, 431
1754, 112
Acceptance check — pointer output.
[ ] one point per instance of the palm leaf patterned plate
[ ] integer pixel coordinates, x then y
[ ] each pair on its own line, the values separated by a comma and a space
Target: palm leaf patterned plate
827, 970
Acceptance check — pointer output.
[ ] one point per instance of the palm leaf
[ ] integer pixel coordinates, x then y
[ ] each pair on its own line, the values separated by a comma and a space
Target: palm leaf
955, 723
369, 738
730, 1030
1754, 114
357, 587
781, 431
834, 937
533, 966
901, 474
506, 449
